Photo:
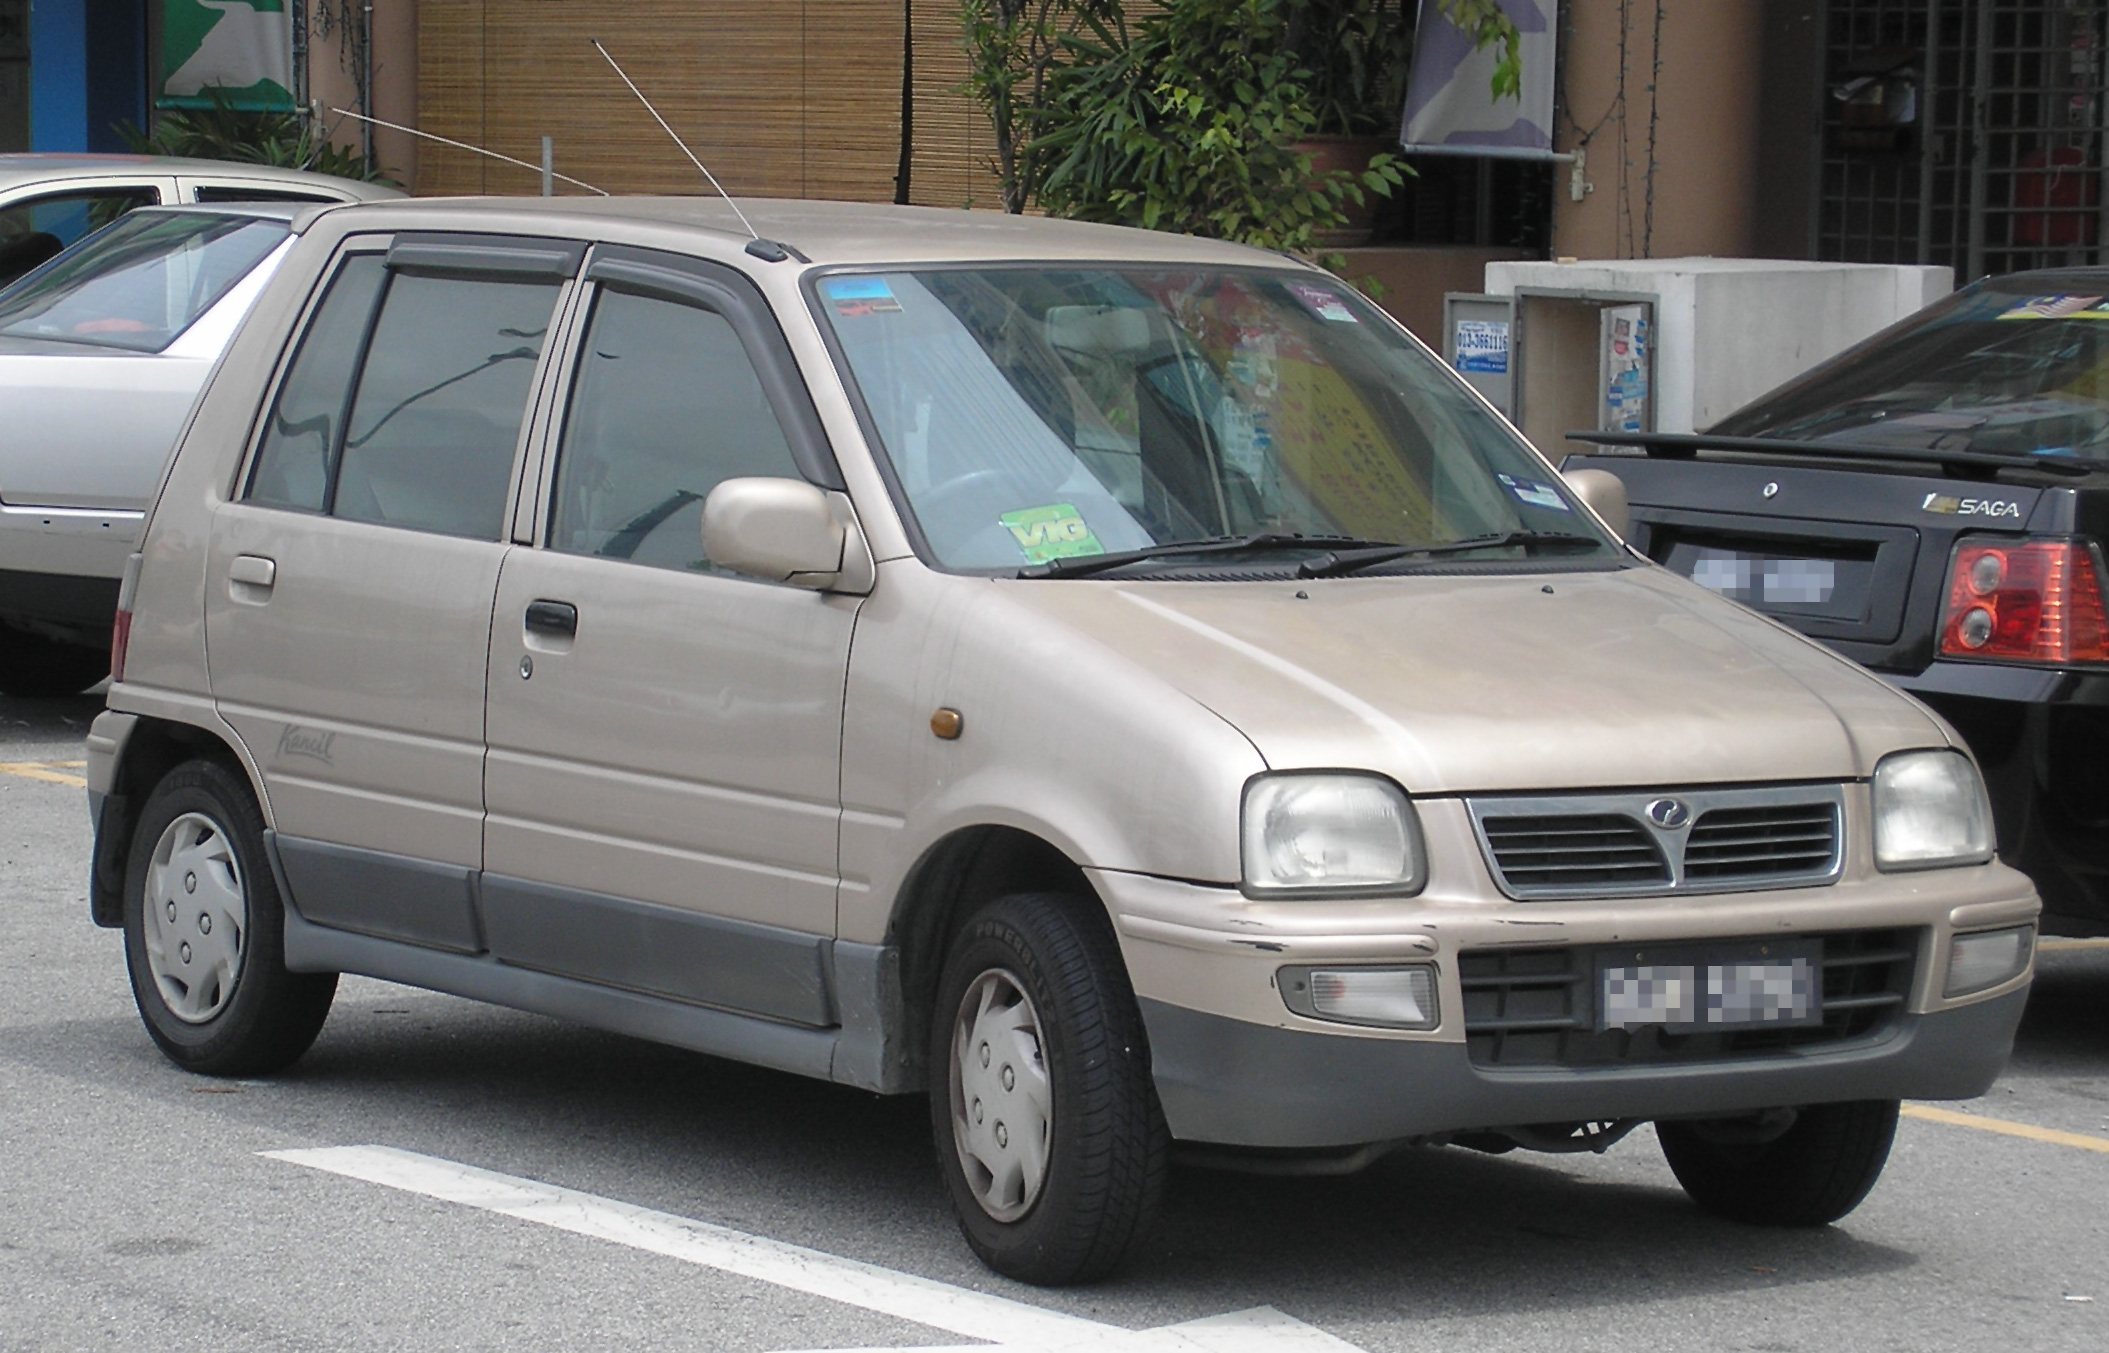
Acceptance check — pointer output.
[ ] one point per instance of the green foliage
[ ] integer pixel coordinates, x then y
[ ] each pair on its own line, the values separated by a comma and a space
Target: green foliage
224, 132
1486, 25
1186, 118
1187, 123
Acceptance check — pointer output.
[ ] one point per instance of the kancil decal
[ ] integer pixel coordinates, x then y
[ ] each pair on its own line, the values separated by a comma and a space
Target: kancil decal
1948, 505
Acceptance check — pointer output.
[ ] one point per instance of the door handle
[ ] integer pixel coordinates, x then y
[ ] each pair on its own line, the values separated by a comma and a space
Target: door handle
553, 617
253, 570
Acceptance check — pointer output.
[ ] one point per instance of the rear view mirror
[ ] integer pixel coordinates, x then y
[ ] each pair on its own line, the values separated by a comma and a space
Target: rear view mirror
1605, 493
785, 531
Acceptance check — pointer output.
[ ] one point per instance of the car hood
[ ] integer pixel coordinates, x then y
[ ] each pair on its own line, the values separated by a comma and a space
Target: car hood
1631, 678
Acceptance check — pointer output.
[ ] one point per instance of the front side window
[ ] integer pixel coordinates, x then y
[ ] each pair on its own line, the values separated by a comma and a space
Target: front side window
142, 282
409, 417
1033, 414
665, 406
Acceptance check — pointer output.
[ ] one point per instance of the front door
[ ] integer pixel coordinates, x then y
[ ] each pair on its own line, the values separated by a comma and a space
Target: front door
664, 737
349, 585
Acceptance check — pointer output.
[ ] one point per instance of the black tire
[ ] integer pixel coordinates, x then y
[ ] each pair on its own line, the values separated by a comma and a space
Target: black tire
1810, 1175
1106, 1149
34, 666
242, 1014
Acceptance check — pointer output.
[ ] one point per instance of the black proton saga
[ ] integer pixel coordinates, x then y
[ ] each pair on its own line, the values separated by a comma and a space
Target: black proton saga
1934, 503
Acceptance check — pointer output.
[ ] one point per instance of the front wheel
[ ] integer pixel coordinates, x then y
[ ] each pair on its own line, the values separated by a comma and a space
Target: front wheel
1810, 1175
204, 932
1048, 1129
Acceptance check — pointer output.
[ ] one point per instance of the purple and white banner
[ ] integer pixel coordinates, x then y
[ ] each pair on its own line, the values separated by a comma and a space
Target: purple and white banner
1450, 105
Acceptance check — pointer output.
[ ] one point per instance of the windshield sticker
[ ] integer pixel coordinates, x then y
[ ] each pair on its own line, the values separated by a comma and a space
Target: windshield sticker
2058, 307
1324, 303
1056, 531
853, 296
1533, 493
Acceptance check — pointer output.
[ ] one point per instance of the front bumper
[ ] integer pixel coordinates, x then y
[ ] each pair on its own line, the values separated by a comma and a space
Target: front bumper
1233, 1083
1235, 1066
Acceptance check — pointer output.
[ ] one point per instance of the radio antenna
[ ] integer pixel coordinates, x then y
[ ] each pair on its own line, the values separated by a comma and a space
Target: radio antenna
463, 145
684, 146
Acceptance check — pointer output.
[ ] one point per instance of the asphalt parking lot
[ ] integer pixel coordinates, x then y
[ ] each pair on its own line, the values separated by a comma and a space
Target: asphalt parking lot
441, 1175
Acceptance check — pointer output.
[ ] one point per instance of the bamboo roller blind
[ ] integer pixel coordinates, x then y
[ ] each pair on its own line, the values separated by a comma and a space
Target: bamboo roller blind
801, 98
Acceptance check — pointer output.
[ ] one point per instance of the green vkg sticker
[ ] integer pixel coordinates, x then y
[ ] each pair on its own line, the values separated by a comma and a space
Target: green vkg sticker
1052, 532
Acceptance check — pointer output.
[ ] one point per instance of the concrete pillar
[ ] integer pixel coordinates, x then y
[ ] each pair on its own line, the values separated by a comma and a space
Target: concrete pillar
333, 80
1700, 102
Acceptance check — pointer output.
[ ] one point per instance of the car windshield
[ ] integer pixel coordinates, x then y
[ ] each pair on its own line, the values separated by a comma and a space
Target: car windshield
139, 283
1989, 370
1039, 414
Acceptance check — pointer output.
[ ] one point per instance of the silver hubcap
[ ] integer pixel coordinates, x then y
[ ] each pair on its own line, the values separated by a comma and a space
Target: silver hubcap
196, 918
1002, 1112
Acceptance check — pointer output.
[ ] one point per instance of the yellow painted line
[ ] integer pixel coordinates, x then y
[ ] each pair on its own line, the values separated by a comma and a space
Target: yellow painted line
2006, 1129
2068, 946
47, 771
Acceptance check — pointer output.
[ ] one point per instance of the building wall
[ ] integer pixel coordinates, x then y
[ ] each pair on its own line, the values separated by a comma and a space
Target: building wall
1663, 99
801, 98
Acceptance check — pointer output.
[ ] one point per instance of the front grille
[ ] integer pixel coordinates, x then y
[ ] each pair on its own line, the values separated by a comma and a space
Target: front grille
1537, 1007
1751, 843
1636, 842
1580, 850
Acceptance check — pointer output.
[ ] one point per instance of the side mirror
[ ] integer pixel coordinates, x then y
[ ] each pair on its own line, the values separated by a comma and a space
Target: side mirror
786, 531
1605, 493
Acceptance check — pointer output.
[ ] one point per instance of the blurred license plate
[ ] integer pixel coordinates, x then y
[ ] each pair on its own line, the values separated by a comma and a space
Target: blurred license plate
1765, 580
1780, 988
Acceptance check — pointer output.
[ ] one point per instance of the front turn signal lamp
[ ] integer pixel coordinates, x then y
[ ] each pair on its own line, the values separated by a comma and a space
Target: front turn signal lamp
1400, 997
1987, 958
2026, 601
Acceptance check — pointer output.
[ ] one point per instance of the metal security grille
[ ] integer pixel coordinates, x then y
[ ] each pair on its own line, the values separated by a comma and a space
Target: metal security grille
1964, 132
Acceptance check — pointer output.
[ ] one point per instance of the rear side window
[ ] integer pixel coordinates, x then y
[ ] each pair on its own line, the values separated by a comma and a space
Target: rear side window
405, 402
666, 405
293, 468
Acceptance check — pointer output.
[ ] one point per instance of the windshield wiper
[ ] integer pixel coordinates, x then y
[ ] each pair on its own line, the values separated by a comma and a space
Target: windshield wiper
1682, 445
1082, 565
1334, 563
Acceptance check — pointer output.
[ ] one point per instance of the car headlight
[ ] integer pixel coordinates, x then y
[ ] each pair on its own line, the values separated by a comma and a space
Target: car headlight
1329, 834
1930, 810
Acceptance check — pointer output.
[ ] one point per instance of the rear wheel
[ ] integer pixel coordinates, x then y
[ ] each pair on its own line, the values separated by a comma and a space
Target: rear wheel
1810, 1175
205, 932
32, 665
1048, 1130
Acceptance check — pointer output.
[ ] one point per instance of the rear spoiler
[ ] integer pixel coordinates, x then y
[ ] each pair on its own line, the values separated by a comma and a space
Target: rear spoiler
1958, 464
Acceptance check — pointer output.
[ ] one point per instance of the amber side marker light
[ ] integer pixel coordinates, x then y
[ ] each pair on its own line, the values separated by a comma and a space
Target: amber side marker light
2031, 601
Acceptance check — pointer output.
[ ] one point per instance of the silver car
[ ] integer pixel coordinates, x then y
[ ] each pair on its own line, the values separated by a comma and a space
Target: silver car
1119, 687
48, 202
102, 352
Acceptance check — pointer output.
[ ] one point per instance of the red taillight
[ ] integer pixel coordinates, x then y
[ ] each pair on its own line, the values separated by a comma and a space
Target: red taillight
120, 640
2034, 601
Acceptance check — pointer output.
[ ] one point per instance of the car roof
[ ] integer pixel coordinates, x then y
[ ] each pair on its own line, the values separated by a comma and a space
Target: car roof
20, 170
2040, 281
846, 232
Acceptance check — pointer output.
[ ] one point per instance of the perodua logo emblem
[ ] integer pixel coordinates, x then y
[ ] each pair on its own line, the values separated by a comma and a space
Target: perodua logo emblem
1668, 814
1771, 491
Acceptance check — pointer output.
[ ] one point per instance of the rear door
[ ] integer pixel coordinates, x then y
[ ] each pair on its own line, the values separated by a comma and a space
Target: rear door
349, 585
665, 737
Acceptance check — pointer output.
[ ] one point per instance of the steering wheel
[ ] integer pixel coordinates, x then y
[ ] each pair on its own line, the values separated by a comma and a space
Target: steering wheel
938, 508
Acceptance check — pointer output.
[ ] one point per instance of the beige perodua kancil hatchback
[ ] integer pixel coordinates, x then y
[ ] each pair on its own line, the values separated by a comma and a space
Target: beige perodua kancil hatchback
1118, 685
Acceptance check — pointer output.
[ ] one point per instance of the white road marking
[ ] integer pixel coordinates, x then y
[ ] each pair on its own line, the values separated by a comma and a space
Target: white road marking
1015, 1325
